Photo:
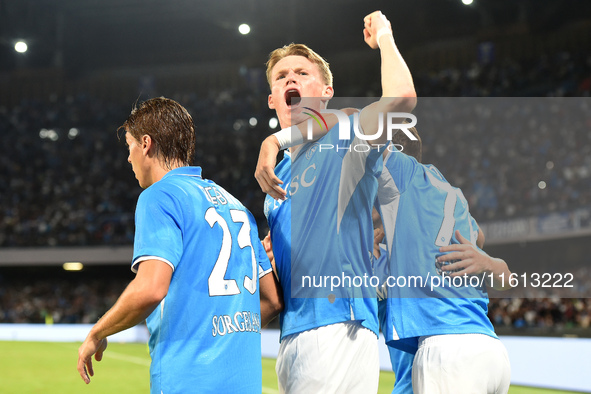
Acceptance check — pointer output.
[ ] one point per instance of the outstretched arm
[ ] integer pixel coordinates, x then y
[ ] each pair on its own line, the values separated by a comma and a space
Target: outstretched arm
471, 261
134, 305
398, 92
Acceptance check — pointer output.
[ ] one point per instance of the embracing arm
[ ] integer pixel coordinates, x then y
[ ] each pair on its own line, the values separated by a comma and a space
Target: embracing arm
271, 295
472, 261
265, 174
135, 304
271, 298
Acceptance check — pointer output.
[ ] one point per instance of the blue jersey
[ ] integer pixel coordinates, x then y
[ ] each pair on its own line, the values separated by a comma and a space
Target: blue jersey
205, 334
421, 212
401, 360
324, 229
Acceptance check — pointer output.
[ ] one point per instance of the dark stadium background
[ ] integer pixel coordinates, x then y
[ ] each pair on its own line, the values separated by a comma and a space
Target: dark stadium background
89, 61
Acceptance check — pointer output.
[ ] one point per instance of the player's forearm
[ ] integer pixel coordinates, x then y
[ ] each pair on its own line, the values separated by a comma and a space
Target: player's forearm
396, 77
301, 133
398, 92
271, 298
500, 274
133, 307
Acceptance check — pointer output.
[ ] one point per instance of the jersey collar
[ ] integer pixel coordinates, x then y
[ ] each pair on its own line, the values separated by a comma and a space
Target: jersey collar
186, 171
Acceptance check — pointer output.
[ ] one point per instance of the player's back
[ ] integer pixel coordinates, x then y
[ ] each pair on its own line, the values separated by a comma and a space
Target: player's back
205, 335
421, 213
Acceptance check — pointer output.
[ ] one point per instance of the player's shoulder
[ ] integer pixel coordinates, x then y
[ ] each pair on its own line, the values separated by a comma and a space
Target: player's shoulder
173, 190
218, 195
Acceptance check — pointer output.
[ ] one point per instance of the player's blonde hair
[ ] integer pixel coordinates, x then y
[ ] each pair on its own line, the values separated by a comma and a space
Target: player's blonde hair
299, 50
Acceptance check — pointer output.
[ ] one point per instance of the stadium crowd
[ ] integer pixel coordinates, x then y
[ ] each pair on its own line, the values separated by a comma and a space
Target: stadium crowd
66, 181
51, 301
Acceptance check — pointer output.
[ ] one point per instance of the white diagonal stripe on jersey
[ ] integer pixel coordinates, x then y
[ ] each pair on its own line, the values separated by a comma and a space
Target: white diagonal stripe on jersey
389, 199
352, 171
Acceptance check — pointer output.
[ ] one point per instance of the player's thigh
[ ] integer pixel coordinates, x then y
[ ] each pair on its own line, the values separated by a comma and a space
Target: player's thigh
464, 363
337, 358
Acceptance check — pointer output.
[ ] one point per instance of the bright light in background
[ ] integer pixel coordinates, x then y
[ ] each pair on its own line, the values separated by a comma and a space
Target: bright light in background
273, 122
467, 2
72, 266
253, 122
244, 28
20, 47
73, 133
542, 185
48, 134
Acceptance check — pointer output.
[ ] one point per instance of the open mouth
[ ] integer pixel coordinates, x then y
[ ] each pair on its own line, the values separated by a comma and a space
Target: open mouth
292, 98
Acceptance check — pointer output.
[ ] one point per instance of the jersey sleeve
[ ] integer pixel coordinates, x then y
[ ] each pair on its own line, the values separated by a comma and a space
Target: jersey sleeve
158, 232
474, 229
399, 169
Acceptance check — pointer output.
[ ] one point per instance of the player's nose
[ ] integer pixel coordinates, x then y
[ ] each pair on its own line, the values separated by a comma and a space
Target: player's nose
290, 78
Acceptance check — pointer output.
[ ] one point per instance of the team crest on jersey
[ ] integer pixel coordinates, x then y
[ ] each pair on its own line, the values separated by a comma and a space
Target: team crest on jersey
311, 150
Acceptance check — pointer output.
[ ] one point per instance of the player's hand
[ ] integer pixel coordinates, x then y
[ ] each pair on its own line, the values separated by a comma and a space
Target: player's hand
378, 236
373, 23
265, 171
268, 245
90, 347
471, 261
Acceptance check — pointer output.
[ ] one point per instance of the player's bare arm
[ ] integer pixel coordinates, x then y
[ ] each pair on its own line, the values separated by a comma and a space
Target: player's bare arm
480, 239
271, 298
270, 289
472, 261
398, 92
135, 304
265, 174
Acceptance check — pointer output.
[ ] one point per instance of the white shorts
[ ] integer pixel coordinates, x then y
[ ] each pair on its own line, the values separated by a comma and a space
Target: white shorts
338, 358
461, 363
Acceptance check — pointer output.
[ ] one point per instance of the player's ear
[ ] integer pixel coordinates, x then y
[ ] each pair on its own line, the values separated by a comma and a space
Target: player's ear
270, 102
327, 94
146, 143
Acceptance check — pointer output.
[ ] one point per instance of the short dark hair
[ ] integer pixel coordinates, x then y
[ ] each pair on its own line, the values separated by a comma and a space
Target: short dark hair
169, 125
410, 147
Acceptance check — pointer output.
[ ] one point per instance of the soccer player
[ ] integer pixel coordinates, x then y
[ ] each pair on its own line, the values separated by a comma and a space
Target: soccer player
321, 222
197, 259
457, 350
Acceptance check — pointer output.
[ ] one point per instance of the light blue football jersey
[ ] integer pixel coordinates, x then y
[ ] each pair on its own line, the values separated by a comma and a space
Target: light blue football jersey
324, 230
401, 360
421, 212
206, 333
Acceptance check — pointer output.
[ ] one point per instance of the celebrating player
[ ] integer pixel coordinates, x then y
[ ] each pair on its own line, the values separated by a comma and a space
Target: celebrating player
198, 259
457, 350
320, 221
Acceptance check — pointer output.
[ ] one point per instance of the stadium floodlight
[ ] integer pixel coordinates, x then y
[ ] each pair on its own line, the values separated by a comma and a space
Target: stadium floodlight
244, 29
253, 121
73, 133
273, 122
467, 2
72, 266
21, 47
